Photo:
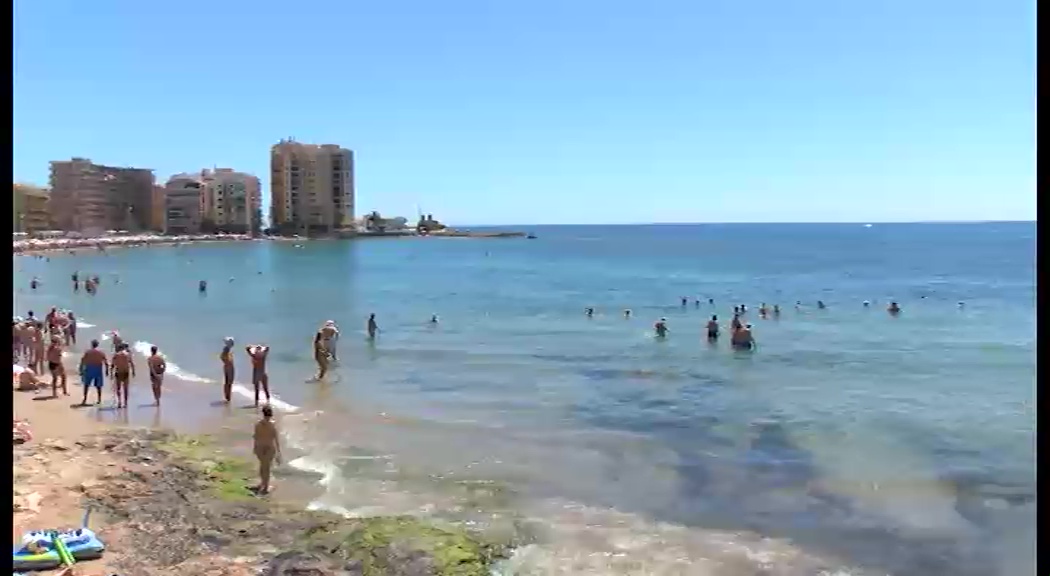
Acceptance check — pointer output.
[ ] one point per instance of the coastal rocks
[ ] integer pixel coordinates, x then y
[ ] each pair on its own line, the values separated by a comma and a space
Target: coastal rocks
180, 506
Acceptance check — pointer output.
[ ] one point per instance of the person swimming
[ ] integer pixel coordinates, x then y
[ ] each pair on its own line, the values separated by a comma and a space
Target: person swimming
735, 324
685, 301
867, 303
893, 309
821, 305
590, 312
661, 328
776, 311
202, 286
627, 313
763, 310
434, 319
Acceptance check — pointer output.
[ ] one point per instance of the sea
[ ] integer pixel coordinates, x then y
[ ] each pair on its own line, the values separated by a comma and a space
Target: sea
850, 442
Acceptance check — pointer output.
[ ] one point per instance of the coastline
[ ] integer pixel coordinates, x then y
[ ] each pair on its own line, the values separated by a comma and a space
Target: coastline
79, 245
171, 503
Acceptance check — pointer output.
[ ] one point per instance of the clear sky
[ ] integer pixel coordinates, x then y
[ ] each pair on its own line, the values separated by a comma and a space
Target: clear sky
557, 111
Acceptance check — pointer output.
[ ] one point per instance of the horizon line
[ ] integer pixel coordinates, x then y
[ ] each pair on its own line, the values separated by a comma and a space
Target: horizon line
734, 223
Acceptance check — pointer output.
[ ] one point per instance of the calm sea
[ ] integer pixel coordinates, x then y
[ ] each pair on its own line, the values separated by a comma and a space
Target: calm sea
850, 442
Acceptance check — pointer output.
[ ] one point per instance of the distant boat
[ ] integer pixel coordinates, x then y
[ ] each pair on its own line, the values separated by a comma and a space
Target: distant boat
867, 225
531, 237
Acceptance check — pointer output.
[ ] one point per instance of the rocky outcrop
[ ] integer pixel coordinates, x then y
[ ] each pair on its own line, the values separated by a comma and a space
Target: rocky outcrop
181, 507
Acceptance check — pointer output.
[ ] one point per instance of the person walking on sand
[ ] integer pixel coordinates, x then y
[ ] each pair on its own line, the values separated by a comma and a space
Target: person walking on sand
267, 447
226, 357
93, 365
320, 355
258, 354
372, 326
123, 368
157, 366
55, 366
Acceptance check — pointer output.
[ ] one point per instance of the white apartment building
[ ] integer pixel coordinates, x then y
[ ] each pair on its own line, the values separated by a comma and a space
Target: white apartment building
312, 186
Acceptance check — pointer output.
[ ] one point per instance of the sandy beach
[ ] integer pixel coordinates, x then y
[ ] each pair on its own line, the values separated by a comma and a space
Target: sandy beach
42, 246
167, 503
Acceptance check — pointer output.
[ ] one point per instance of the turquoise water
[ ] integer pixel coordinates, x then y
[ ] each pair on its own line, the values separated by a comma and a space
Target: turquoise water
850, 441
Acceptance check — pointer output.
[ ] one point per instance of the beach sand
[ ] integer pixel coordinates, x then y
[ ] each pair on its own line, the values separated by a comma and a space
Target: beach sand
166, 503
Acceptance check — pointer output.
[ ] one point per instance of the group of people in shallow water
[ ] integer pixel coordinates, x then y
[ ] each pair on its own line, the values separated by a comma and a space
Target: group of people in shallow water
741, 336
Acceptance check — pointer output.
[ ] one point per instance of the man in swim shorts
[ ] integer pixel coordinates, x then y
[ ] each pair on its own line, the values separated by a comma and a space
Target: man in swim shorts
54, 365
267, 447
157, 367
258, 353
93, 366
123, 370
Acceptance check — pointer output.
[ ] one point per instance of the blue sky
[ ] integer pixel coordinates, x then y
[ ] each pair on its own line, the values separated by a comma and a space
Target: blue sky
570, 111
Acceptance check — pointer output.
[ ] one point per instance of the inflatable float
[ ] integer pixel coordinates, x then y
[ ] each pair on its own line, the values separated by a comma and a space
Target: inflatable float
42, 550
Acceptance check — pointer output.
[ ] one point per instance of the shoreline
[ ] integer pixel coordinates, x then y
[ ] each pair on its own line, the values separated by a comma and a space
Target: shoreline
171, 503
37, 247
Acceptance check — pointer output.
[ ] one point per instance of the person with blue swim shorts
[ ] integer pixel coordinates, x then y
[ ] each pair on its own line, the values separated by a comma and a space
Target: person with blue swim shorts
93, 366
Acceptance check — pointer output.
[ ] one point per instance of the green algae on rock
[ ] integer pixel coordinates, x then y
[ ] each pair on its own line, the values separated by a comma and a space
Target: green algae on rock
367, 546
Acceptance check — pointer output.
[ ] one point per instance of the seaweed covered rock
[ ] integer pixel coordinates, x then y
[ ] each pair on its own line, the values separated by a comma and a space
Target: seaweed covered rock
403, 545
185, 508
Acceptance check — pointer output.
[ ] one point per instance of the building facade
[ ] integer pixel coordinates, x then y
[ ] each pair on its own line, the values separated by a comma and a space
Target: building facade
311, 187
31, 209
92, 198
182, 204
158, 209
229, 200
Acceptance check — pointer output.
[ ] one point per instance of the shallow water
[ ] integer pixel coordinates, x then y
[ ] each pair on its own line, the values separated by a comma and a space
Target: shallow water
850, 441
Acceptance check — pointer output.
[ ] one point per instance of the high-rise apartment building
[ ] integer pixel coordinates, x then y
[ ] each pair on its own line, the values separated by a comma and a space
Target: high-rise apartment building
92, 198
230, 199
311, 186
182, 204
31, 210
158, 209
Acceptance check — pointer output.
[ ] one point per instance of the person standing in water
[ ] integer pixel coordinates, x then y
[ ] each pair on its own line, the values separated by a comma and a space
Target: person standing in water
329, 336
267, 447
118, 341
661, 328
226, 357
712, 329
258, 353
372, 326
93, 365
157, 366
320, 355
743, 339
123, 366
627, 313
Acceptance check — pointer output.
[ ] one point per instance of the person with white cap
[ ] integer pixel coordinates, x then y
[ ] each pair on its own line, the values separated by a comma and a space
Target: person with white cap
661, 328
226, 357
329, 337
